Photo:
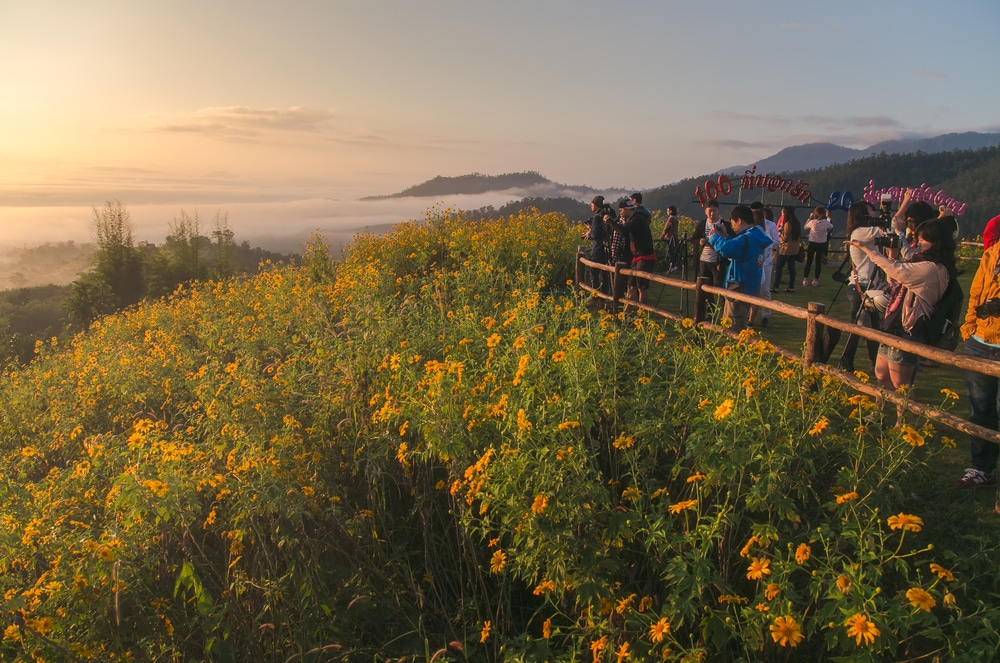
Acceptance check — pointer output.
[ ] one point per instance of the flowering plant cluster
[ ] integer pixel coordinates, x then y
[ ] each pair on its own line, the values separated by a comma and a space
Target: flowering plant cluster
429, 450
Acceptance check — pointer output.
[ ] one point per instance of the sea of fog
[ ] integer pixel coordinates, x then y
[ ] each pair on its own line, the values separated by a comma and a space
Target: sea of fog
281, 226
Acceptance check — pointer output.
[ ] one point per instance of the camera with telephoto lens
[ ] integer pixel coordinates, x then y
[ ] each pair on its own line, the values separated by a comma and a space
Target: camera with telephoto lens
887, 241
989, 309
884, 219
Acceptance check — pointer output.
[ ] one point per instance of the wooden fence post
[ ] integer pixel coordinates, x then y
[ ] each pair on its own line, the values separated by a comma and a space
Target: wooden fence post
617, 286
579, 266
700, 299
814, 336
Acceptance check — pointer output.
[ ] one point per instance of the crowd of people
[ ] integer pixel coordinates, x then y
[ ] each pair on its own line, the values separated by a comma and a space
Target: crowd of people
901, 266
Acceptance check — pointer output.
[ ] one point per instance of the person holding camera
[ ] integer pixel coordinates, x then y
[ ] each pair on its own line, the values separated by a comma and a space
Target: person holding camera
981, 332
745, 252
866, 285
818, 226
597, 234
921, 278
634, 223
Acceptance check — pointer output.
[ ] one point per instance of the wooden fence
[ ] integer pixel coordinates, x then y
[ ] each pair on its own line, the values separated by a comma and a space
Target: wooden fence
815, 317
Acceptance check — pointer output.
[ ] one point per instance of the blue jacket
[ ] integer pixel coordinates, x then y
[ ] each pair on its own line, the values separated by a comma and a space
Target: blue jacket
746, 256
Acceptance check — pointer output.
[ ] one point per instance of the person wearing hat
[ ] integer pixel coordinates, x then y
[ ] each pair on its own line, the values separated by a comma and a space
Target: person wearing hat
635, 224
597, 234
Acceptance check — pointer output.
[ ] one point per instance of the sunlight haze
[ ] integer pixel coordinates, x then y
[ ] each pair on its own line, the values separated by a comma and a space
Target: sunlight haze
284, 115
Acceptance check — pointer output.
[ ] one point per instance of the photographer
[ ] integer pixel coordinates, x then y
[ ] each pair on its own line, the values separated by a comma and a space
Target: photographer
866, 285
923, 279
981, 332
597, 234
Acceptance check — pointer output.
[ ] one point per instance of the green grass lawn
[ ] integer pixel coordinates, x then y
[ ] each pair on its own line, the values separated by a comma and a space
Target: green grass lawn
957, 509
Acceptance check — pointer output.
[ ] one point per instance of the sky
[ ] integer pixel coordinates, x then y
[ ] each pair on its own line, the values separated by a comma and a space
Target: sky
283, 115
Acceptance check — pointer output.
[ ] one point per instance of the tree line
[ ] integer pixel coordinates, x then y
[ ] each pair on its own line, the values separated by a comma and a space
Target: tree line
123, 272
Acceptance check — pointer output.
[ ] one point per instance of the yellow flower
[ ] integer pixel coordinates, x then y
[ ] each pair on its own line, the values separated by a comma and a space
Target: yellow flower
547, 629
942, 572
920, 599
758, 568
785, 631
401, 453
403, 428
912, 437
730, 598
622, 652
819, 426
687, 323
658, 630
569, 424
544, 587
847, 497
724, 410
558, 356
498, 562
771, 591
485, 632
623, 442
493, 341
802, 553
697, 476
905, 522
948, 393
859, 628
844, 584
539, 505
625, 604
681, 506
598, 646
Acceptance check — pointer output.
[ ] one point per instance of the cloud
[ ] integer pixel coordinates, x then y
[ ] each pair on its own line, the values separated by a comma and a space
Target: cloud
812, 120
242, 122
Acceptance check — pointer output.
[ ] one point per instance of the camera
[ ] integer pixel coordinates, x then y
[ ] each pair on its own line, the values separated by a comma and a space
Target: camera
989, 309
884, 219
890, 241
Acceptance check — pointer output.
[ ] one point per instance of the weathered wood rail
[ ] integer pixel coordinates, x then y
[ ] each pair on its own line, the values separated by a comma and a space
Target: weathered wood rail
815, 318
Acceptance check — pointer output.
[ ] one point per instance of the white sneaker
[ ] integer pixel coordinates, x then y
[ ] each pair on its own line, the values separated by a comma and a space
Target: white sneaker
815, 283
805, 282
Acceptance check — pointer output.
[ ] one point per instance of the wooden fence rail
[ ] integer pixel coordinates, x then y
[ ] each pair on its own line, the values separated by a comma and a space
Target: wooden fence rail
815, 318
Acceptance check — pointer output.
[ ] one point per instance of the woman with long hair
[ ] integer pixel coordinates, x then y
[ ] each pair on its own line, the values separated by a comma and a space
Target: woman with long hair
789, 240
924, 276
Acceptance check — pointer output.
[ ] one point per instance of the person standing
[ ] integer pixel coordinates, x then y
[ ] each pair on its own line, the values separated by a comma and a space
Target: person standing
865, 286
789, 242
760, 218
819, 227
923, 278
708, 258
981, 332
635, 224
745, 251
597, 234
669, 234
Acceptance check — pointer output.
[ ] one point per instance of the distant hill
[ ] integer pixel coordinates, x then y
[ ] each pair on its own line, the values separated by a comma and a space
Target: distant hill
473, 183
528, 184
821, 155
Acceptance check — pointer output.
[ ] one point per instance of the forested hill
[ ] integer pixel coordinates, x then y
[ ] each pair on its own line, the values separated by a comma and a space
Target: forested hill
469, 184
970, 176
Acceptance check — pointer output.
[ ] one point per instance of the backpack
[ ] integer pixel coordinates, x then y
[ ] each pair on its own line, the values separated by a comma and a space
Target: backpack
944, 324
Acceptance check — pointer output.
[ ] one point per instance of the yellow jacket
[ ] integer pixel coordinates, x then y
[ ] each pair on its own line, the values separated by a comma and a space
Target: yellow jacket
985, 285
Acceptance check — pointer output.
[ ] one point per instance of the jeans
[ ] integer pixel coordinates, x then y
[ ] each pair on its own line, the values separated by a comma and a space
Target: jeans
600, 279
779, 266
816, 252
984, 406
865, 319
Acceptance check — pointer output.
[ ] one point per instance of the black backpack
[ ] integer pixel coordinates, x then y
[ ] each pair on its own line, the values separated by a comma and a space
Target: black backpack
944, 324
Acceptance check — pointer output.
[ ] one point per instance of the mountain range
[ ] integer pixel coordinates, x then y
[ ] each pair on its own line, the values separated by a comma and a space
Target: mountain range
820, 155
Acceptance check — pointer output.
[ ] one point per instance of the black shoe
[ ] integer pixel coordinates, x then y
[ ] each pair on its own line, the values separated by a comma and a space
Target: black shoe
788, 290
774, 290
764, 321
